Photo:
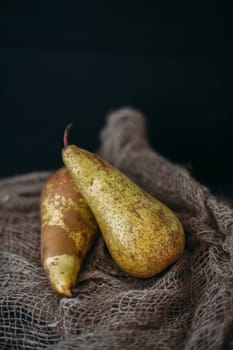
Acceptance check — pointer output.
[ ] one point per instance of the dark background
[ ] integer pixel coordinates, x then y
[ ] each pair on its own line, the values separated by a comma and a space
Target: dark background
171, 60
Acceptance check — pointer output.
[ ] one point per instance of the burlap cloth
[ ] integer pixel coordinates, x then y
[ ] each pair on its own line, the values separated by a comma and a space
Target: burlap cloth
188, 306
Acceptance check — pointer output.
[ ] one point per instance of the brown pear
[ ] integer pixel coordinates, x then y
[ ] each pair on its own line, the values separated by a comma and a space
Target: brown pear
68, 230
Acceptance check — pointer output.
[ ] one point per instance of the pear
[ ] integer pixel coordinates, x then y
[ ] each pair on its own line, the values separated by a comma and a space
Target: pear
142, 234
68, 230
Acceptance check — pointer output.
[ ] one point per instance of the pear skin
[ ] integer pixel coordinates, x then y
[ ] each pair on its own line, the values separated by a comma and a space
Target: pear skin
68, 230
142, 235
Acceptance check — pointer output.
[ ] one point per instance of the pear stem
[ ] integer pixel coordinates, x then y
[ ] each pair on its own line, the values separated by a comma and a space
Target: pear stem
66, 134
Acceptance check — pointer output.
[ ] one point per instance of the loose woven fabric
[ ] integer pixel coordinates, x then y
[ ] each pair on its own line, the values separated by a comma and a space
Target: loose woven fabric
188, 306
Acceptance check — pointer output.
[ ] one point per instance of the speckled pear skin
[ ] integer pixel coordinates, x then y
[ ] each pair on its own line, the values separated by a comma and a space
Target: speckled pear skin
143, 236
68, 230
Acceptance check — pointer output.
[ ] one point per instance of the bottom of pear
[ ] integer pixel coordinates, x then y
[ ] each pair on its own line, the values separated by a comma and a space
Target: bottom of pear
62, 271
145, 265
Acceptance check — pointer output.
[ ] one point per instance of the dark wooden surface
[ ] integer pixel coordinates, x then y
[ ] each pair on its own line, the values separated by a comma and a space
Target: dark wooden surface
62, 64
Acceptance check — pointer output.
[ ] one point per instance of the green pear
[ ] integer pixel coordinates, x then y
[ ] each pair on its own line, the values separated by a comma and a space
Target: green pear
142, 235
